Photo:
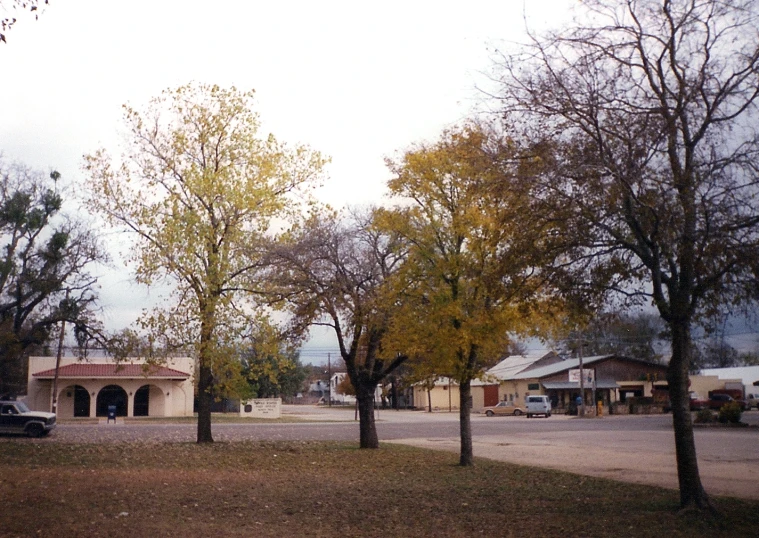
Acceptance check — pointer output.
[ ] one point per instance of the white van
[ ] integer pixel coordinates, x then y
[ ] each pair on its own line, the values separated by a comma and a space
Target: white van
538, 405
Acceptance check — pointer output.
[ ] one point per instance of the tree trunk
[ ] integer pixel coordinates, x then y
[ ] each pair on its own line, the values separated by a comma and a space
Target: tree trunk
367, 427
205, 398
465, 405
692, 494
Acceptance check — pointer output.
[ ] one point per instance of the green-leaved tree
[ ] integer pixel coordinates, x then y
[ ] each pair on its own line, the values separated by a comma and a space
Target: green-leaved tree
45, 266
198, 187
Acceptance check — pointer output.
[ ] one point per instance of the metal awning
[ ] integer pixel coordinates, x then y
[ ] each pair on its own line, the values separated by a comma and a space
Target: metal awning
568, 385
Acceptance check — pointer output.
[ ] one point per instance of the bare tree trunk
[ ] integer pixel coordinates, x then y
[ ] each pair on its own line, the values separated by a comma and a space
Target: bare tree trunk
367, 427
465, 406
692, 494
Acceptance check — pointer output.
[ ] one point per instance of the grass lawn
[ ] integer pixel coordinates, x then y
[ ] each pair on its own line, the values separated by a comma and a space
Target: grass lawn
323, 489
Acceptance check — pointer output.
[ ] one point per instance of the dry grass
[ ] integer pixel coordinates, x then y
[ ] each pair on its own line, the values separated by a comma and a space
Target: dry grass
322, 489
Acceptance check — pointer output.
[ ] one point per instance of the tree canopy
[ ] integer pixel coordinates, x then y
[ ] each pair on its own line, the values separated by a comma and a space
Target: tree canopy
468, 283
8, 19
200, 189
337, 271
621, 333
643, 117
45, 269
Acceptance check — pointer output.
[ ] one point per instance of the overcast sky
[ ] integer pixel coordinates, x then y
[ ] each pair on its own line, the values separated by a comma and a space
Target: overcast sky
357, 81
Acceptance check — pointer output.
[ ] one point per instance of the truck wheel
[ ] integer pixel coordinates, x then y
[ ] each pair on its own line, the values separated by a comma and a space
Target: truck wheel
35, 430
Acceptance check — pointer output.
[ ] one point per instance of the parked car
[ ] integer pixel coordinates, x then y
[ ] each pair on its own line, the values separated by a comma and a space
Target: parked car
735, 394
538, 405
752, 400
504, 408
696, 403
716, 401
16, 417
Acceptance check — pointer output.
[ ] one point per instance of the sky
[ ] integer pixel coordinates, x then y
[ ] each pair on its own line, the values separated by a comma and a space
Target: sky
357, 81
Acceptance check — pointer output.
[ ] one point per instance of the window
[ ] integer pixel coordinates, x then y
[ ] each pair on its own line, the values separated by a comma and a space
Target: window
533, 386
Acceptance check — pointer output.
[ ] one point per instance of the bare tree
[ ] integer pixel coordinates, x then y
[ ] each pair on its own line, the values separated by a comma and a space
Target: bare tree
621, 333
336, 272
647, 115
8, 16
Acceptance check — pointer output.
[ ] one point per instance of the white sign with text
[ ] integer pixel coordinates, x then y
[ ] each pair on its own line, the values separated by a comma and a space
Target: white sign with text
261, 408
588, 375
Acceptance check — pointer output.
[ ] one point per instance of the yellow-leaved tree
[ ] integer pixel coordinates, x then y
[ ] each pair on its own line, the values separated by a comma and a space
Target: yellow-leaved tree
199, 188
469, 282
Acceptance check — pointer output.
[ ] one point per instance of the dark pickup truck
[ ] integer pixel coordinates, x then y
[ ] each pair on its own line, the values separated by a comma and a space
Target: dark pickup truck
16, 417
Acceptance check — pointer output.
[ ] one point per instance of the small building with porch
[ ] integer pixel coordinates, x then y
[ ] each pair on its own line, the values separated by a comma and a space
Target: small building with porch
134, 387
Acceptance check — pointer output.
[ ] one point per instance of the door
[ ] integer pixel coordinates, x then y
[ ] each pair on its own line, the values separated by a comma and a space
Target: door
491, 395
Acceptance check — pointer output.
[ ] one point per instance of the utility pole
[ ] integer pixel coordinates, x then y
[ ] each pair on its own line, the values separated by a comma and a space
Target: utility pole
582, 384
329, 381
450, 403
54, 407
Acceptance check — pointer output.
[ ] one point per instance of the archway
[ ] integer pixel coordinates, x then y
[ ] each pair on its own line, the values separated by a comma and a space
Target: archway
81, 401
142, 401
73, 401
111, 395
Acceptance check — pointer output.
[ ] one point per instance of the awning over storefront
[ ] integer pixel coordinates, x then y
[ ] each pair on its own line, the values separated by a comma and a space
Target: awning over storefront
570, 385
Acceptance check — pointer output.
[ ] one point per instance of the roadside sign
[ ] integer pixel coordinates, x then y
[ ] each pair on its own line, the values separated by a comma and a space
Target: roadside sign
588, 375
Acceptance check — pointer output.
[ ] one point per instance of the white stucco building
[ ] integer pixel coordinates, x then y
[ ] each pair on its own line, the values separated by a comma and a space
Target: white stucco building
88, 388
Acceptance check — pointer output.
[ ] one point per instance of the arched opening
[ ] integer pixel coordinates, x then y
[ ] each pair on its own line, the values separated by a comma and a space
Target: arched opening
142, 401
73, 401
111, 395
81, 401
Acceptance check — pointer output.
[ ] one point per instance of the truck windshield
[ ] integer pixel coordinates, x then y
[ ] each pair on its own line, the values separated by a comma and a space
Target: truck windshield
22, 407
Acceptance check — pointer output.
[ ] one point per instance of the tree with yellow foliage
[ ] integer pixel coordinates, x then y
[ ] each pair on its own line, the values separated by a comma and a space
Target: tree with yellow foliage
198, 188
467, 281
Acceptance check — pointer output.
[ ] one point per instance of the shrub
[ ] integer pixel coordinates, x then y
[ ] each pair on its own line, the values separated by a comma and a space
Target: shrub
704, 416
730, 412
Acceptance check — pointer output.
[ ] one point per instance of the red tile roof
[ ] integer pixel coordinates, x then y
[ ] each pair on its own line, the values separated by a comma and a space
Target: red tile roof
113, 370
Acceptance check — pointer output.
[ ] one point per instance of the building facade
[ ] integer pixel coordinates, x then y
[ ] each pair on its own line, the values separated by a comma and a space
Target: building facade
132, 388
608, 380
